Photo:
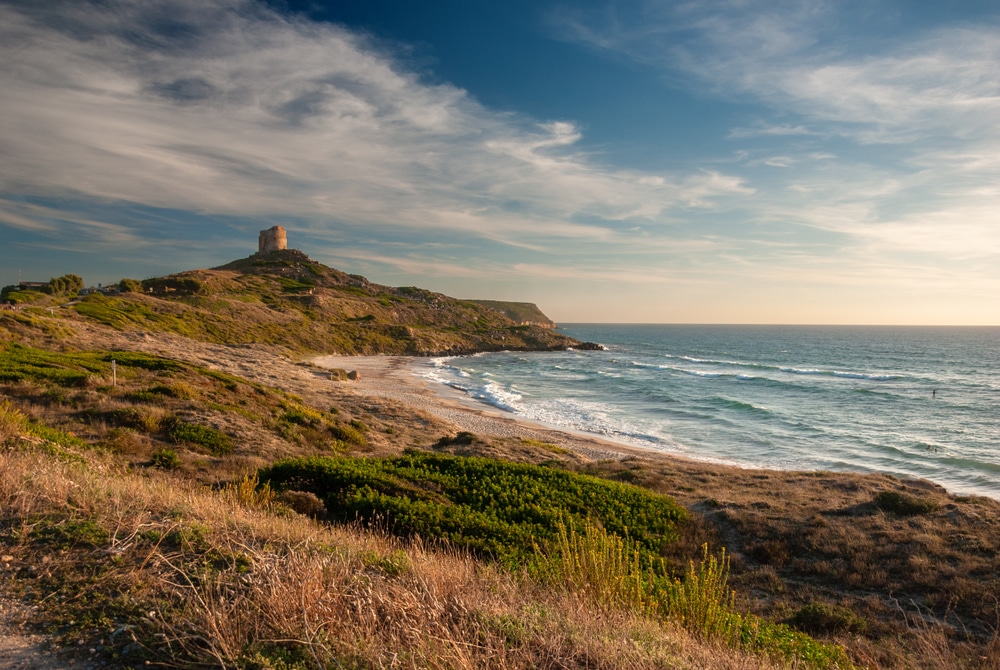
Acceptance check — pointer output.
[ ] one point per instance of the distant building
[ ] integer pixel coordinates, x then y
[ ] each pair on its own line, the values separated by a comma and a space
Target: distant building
272, 239
32, 285
106, 290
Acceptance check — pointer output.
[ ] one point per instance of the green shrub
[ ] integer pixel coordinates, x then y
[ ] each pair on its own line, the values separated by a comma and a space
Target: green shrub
546, 446
128, 417
130, 286
142, 396
393, 564
166, 459
56, 436
348, 433
904, 504
464, 438
302, 416
20, 363
214, 441
134, 359
827, 619
13, 422
178, 390
69, 533
295, 285
23, 297
494, 508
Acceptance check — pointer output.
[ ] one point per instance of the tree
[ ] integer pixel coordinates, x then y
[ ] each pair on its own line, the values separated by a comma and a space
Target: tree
69, 284
130, 286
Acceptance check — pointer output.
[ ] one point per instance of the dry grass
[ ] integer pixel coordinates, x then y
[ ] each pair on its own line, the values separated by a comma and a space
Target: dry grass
926, 583
923, 580
188, 576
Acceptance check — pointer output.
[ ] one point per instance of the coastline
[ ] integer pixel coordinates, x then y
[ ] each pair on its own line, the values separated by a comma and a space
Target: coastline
395, 378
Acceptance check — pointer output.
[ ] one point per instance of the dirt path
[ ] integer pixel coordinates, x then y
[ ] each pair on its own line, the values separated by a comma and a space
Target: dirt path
23, 650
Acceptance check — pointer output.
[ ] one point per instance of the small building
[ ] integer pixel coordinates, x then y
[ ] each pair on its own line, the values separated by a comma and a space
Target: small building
32, 285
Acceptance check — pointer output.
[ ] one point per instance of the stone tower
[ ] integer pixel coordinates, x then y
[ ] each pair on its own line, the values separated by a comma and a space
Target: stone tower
272, 239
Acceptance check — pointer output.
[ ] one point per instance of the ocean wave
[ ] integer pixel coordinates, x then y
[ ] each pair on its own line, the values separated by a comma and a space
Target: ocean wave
729, 403
505, 398
700, 373
870, 376
597, 419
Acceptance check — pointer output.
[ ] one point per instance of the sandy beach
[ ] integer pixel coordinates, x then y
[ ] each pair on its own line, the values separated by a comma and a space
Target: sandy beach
397, 379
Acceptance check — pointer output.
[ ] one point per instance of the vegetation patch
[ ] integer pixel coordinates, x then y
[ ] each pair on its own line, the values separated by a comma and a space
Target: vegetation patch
498, 509
166, 459
545, 446
20, 363
822, 618
67, 533
136, 418
212, 440
904, 504
348, 433
609, 569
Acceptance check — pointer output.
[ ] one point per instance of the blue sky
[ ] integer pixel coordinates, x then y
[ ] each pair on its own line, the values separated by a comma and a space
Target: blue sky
710, 162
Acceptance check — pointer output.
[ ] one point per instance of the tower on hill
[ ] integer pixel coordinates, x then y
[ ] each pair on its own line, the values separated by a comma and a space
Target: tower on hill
272, 239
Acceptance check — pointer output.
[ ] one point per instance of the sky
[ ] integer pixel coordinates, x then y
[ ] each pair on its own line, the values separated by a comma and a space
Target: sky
636, 161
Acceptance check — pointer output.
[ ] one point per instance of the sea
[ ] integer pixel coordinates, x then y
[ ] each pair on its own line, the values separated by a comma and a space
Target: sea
913, 402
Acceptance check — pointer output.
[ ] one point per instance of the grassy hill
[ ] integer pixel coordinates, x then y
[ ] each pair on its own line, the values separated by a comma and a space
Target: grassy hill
287, 299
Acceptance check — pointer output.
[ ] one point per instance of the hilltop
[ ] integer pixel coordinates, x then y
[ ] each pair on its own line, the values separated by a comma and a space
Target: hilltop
284, 298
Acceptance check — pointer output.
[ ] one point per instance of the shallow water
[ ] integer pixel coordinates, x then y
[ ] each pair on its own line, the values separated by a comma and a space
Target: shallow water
908, 401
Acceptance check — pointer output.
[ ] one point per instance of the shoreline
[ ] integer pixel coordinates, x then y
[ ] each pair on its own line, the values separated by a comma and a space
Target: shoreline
395, 378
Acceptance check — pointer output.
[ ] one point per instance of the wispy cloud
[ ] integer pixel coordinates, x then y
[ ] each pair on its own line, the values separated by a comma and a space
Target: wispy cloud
890, 142
805, 56
229, 107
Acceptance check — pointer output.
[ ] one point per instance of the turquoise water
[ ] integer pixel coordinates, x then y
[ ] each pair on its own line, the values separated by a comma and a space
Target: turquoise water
908, 401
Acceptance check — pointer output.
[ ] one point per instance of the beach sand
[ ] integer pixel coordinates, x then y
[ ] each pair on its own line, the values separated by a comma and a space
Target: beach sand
398, 380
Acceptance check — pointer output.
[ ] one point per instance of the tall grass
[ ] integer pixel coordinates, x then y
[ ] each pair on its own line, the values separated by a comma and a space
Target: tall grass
13, 422
190, 577
606, 569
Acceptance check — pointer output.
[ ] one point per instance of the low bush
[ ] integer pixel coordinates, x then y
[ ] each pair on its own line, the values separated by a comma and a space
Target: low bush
214, 441
166, 459
302, 417
494, 508
349, 434
13, 422
904, 504
136, 418
827, 619
66, 533
303, 502
464, 438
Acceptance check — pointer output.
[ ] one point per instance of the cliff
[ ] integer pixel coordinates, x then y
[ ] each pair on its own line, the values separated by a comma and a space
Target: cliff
524, 313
